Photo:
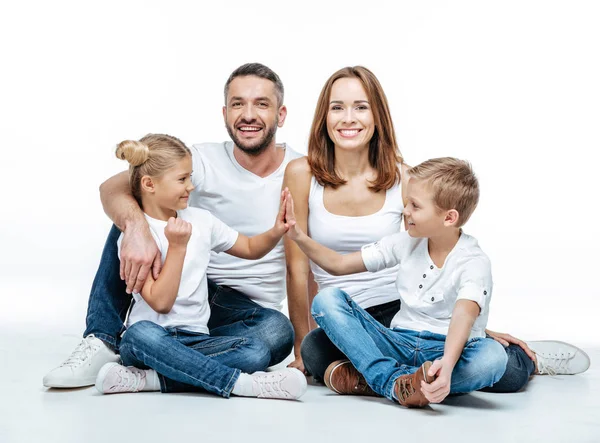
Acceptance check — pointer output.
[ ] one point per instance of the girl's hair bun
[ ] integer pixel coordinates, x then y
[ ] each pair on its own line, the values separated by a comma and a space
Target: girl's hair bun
136, 153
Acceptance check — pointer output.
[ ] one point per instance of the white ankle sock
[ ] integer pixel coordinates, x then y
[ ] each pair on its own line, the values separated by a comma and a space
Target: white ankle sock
243, 386
152, 381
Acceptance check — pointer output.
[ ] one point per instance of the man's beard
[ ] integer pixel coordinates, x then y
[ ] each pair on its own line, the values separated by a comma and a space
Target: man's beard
260, 147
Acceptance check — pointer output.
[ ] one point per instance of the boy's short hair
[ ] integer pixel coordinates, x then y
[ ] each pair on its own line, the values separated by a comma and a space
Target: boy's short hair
453, 183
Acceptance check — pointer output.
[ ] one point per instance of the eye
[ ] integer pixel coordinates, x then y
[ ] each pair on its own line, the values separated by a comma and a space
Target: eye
336, 108
263, 105
236, 104
362, 108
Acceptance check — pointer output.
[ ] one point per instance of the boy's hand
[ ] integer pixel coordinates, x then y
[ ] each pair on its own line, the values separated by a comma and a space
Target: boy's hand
439, 389
178, 232
281, 227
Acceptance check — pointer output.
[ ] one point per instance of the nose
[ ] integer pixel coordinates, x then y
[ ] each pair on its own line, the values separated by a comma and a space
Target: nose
249, 114
349, 115
190, 188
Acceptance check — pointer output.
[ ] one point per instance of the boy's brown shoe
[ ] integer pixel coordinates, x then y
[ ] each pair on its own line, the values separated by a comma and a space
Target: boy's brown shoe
408, 387
343, 378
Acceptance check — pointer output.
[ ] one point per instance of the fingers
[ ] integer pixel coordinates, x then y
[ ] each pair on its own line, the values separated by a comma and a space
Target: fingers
435, 367
132, 278
127, 270
141, 278
122, 269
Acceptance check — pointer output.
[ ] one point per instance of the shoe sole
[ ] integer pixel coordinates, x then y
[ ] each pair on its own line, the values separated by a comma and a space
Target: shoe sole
102, 375
66, 385
569, 345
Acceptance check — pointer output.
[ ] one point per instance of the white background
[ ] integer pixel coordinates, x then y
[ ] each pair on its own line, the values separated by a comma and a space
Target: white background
512, 86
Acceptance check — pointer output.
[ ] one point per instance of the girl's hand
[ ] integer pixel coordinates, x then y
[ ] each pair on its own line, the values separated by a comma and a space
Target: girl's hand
178, 232
293, 230
281, 226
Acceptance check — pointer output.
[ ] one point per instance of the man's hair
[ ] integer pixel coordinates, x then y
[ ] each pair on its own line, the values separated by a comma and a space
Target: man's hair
384, 154
257, 70
453, 183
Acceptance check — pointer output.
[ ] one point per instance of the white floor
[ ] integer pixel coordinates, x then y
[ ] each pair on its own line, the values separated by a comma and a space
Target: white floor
551, 409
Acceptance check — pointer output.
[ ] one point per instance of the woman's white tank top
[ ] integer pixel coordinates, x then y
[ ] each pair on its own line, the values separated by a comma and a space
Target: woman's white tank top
345, 234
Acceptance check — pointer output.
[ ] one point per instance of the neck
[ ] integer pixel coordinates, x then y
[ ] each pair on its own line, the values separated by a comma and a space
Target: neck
441, 245
262, 164
351, 164
156, 211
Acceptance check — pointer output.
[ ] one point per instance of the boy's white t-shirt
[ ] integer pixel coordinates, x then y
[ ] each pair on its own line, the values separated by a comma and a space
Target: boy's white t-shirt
428, 293
191, 310
249, 204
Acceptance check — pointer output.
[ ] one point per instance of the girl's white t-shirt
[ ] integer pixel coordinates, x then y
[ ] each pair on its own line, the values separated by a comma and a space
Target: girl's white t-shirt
191, 310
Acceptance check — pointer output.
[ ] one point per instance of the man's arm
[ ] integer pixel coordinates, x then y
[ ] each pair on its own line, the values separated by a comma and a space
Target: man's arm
138, 249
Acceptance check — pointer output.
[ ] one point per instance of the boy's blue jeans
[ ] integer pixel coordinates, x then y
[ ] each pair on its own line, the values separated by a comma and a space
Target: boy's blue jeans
233, 314
189, 361
382, 355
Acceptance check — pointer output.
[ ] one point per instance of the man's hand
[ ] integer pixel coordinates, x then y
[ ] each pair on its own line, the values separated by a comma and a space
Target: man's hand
439, 389
298, 364
139, 253
507, 339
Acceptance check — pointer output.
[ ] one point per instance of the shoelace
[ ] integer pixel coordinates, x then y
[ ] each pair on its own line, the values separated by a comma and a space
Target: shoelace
270, 384
130, 379
405, 388
553, 364
82, 352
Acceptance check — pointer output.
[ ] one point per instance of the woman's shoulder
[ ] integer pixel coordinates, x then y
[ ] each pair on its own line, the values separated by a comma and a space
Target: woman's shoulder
299, 166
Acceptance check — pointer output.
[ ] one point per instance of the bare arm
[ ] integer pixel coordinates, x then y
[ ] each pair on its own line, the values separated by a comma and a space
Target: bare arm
138, 249
297, 179
329, 260
160, 294
258, 246
463, 316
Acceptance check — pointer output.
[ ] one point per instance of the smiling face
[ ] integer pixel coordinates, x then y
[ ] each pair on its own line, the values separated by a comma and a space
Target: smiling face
350, 123
172, 189
423, 217
252, 113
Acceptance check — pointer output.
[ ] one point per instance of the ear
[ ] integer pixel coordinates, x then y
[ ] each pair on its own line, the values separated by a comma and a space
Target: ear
147, 184
451, 218
281, 116
225, 115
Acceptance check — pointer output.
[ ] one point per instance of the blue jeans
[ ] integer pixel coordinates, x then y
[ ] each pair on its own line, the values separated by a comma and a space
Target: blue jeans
382, 355
189, 361
232, 313
318, 352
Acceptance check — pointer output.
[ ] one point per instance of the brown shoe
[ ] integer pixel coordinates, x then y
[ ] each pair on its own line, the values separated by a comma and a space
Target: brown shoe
408, 387
343, 378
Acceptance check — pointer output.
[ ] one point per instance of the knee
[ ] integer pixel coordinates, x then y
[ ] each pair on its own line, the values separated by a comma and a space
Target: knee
142, 332
495, 359
280, 329
313, 351
325, 300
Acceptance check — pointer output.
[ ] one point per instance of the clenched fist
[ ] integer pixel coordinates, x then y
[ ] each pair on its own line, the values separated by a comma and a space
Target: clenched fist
178, 232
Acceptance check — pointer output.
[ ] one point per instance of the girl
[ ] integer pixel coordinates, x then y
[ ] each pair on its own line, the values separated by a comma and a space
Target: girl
167, 345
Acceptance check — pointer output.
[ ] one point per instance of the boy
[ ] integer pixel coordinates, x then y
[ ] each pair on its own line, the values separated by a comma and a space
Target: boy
445, 286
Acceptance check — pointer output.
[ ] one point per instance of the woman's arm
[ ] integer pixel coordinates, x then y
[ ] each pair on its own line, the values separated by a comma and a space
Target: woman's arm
297, 180
160, 294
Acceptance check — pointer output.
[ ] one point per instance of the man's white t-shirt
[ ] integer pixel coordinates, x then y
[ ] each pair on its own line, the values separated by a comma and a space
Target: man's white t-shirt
249, 204
191, 310
428, 293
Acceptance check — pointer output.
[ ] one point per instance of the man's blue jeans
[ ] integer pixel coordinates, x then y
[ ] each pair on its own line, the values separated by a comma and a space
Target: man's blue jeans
189, 361
233, 314
382, 355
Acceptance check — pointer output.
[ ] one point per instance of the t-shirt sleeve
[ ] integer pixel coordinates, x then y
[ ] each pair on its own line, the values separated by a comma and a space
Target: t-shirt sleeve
222, 237
383, 253
198, 172
475, 282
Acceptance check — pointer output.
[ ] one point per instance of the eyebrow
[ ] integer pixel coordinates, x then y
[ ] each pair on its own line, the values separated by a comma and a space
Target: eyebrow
340, 102
254, 99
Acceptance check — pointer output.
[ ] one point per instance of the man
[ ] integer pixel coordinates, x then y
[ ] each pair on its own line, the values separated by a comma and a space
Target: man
240, 183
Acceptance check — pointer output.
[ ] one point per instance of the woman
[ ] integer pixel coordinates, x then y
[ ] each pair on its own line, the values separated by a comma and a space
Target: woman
348, 192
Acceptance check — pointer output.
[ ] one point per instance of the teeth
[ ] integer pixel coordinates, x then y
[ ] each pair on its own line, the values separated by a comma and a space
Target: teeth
247, 128
349, 132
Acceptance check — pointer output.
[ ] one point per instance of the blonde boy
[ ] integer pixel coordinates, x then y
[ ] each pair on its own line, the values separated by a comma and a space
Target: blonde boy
445, 285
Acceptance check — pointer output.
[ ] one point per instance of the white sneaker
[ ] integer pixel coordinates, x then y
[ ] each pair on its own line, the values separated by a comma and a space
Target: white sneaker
81, 368
559, 358
288, 384
114, 378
